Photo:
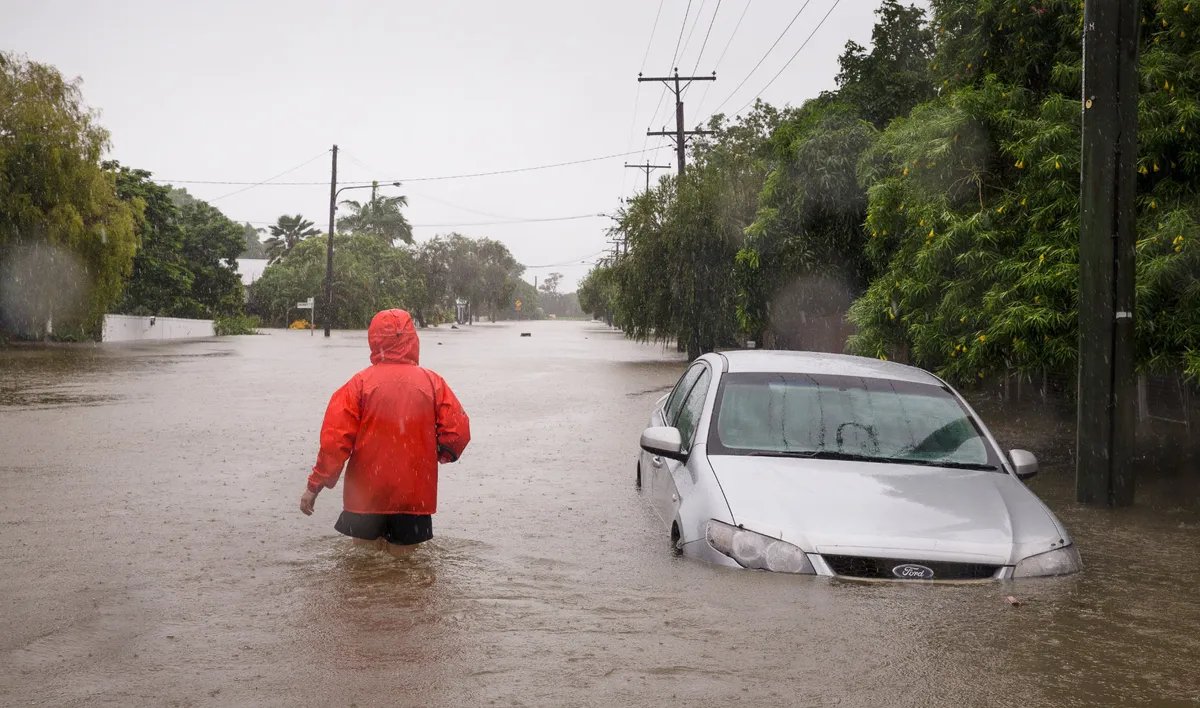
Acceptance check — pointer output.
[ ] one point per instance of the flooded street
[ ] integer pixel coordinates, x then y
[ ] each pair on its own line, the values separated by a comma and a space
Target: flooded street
153, 554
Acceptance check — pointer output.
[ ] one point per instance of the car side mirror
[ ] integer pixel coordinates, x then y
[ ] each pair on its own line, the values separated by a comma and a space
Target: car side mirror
664, 442
1025, 464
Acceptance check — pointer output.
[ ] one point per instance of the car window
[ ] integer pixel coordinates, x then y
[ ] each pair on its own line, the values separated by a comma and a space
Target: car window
801, 414
689, 414
675, 402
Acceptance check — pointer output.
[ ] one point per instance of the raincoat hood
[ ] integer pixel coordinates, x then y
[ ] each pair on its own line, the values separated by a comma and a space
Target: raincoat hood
393, 338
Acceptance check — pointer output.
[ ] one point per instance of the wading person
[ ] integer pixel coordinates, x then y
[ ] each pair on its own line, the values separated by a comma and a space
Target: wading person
390, 425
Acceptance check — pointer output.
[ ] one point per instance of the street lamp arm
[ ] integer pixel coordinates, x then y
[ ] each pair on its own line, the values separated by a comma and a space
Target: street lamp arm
360, 186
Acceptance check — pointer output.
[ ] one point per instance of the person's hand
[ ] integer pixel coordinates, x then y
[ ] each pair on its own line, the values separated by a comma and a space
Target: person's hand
307, 502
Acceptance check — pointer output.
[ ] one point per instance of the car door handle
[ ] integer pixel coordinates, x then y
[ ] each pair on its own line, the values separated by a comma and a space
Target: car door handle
656, 461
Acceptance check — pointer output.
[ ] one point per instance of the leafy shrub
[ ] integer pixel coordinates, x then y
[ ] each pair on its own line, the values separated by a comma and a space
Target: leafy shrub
237, 324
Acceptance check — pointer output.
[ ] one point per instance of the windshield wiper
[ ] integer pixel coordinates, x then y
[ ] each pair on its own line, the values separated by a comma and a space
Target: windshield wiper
819, 455
947, 464
852, 457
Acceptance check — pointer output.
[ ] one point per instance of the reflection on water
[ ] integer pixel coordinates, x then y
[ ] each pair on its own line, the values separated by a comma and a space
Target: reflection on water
154, 555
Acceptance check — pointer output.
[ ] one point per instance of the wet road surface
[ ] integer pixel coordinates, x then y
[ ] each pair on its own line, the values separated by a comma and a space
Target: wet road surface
153, 554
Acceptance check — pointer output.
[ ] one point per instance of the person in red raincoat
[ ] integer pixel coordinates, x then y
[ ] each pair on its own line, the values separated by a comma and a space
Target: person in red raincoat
394, 421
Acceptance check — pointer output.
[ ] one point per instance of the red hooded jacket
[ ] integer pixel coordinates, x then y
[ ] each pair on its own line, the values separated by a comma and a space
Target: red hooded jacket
394, 421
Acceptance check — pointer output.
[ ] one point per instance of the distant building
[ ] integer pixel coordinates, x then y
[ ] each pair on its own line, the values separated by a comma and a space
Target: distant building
251, 269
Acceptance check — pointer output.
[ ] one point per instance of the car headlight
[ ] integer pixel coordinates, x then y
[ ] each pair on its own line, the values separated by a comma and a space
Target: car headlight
754, 550
1060, 561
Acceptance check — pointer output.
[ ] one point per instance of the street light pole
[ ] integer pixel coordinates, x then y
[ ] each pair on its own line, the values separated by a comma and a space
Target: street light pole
333, 190
333, 193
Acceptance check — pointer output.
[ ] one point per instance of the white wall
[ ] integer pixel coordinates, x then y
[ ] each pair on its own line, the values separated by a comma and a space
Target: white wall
126, 328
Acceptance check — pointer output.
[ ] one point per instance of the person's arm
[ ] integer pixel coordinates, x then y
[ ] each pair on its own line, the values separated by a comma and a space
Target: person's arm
338, 432
453, 426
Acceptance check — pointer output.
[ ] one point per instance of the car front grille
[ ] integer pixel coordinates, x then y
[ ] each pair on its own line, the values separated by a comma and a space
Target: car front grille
862, 567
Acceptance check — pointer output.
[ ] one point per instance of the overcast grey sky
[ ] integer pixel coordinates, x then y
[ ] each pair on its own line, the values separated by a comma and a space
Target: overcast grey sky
242, 91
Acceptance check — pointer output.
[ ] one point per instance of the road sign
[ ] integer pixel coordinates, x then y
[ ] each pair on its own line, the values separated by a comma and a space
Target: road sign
306, 305
518, 305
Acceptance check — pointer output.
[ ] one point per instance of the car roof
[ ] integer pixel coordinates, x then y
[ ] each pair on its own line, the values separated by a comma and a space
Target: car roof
793, 362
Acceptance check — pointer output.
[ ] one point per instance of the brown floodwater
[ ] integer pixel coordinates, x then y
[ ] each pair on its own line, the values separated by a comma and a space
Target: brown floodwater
153, 554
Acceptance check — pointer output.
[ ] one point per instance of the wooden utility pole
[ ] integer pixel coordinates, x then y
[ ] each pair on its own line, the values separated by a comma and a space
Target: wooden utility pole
1107, 233
679, 135
648, 168
329, 246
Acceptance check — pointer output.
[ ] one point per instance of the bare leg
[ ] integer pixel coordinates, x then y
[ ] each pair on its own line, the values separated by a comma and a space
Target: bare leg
375, 544
401, 551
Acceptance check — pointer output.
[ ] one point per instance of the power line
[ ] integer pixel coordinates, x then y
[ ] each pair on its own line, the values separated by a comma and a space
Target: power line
682, 27
473, 223
653, 29
637, 94
514, 221
721, 58
572, 261
406, 179
422, 195
706, 34
661, 96
269, 179
731, 36
789, 61
695, 22
764, 57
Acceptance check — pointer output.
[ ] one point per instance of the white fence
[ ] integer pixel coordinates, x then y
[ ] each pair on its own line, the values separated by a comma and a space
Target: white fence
127, 328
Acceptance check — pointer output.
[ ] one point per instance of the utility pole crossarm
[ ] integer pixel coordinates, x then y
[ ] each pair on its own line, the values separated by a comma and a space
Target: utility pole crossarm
678, 77
675, 133
680, 135
648, 168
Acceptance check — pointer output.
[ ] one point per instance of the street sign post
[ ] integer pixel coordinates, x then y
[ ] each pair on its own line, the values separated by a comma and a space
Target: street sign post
310, 305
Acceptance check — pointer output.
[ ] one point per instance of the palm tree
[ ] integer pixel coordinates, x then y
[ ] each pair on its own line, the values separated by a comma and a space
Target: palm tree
286, 233
378, 217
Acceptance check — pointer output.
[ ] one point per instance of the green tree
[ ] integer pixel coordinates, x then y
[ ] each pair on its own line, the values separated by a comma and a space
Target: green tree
369, 276
677, 281
804, 255
160, 282
974, 198
379, 216
211, 244
286, 233
894, 76
598, 293
254, 245
67, 240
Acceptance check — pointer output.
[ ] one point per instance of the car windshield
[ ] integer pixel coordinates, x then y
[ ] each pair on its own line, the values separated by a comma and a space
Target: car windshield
843, 417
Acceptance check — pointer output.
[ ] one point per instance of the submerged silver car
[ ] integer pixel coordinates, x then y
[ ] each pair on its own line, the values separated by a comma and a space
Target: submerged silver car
835, 465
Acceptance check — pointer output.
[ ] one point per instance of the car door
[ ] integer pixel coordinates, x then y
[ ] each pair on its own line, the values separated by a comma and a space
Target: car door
671, 472
653, 474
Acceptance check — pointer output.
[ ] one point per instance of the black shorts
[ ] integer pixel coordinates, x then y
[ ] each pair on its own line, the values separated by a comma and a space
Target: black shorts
397, 529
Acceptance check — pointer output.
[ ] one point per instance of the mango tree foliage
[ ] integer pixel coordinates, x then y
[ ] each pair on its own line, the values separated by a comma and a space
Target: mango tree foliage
160, 282
973, 215
211, 245
66, 240
893, 77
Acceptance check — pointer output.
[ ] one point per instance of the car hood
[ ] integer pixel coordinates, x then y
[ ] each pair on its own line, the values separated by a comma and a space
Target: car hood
888, 510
